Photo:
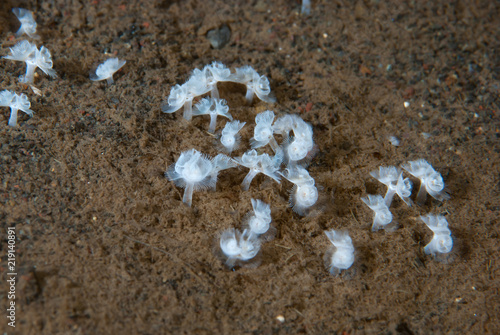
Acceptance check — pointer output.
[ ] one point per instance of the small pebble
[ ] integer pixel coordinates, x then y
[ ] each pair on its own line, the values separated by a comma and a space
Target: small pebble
219, 37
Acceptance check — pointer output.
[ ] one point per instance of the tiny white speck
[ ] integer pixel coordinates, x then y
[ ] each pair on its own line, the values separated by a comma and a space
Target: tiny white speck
280, 318
407, 104
36, 90
394, 141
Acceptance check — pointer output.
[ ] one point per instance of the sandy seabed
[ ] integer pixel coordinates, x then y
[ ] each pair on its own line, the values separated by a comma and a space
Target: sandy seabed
104, 244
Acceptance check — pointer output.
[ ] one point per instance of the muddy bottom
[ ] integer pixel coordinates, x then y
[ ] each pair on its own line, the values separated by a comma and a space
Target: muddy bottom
103, 242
